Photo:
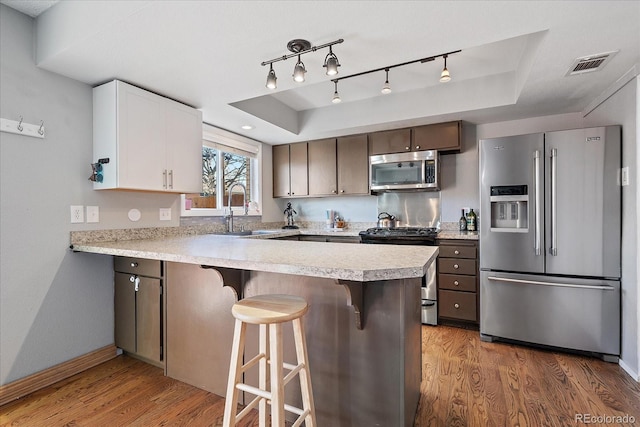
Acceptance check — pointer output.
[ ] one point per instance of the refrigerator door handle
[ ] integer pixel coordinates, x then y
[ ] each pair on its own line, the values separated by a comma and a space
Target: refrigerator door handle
562, 285
536, 200
553, 249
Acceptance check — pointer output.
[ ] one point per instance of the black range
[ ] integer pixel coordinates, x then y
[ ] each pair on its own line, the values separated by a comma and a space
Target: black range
400, 235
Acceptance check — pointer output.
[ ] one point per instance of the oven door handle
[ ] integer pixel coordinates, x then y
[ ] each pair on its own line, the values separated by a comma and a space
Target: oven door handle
428, 303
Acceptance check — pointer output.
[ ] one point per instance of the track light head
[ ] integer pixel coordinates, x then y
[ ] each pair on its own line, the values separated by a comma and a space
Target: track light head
331, 63
299, 71
387, 87
445, 76
271, 78
336, 97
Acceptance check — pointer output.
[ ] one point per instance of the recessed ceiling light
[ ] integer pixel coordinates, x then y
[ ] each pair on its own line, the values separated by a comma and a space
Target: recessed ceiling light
247, 127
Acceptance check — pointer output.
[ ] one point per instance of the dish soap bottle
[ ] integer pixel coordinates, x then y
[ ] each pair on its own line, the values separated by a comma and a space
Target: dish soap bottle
471, 220
463, 222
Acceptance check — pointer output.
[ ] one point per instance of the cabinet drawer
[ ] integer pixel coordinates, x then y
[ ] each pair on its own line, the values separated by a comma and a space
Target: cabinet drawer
454, 251
457, 283
457, 305
141, 267
457, 266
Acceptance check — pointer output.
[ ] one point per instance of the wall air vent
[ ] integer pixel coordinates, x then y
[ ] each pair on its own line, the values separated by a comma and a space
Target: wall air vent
587, 64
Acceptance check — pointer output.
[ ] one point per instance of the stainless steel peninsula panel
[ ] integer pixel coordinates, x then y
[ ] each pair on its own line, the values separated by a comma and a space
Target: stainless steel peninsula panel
550, 239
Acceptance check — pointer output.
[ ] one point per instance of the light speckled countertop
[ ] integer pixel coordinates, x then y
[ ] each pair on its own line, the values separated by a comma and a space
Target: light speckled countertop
362, 263
462, 235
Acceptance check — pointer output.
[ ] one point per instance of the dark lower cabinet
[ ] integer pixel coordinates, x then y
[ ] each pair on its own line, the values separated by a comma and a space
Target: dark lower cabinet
139, 308
458, 281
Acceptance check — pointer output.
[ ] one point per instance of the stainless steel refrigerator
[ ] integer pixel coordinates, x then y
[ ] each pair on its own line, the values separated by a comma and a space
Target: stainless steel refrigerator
550, 229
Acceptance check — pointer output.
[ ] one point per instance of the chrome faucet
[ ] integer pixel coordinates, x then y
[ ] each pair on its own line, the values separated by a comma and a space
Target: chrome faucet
229, 217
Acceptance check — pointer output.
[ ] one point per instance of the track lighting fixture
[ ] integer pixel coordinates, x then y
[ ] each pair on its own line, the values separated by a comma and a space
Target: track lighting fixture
300, 47
271, 78
331, 63
386, 88
298, 71
336, 97
445, 76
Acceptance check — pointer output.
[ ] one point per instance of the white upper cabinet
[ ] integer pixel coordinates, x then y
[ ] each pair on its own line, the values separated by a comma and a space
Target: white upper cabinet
152, 143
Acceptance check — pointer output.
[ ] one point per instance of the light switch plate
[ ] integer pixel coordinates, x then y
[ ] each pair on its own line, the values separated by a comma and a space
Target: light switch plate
93, 214
165, 214
77, 214
624, 176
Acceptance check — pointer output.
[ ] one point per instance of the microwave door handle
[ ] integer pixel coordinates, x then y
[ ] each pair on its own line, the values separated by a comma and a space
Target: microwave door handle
536, 201
553, 249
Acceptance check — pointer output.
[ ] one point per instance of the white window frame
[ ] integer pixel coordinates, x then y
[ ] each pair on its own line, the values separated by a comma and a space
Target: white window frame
219, 138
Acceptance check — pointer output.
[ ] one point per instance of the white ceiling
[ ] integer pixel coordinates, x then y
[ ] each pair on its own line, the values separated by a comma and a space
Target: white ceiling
207, 54
32, 8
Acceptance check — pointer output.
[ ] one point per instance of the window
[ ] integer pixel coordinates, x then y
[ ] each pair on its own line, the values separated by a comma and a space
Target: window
226, 159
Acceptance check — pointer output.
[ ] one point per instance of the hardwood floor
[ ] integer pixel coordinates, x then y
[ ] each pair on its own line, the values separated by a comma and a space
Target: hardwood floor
465, 382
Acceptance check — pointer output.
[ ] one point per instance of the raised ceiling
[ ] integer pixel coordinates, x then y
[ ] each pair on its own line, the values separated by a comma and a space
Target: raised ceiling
513, 63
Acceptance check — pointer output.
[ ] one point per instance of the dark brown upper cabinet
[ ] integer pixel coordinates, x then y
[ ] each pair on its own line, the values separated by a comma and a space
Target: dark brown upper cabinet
322, 168
390, 141
444, 137
339, 166
290, 170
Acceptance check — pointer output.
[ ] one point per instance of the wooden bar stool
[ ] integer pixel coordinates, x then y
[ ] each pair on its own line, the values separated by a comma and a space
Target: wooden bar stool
272, 311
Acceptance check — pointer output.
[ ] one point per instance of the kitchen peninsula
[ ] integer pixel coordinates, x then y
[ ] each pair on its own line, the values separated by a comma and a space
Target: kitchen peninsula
363, 326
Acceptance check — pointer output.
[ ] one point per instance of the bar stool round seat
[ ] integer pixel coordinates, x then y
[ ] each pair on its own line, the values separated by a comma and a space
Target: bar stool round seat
269, 312
266, 309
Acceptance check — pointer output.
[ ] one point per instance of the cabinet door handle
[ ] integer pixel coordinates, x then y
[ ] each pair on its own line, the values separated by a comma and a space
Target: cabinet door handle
457, 252
134, 264
407, 148
136, 281
417, 147
456, 283
342, 191
171, 178
456, 266
456, 305
333, 191
164, 179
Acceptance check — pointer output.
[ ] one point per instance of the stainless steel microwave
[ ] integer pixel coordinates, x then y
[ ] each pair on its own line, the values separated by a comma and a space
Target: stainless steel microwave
416, 170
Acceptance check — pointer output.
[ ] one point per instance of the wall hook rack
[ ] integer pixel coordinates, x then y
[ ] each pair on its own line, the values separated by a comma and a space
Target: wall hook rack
22, 128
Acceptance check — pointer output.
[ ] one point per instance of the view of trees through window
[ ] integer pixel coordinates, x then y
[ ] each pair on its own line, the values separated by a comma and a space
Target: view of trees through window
235, 168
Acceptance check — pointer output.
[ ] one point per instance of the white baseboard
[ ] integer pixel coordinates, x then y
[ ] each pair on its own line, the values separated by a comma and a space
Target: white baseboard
633, 374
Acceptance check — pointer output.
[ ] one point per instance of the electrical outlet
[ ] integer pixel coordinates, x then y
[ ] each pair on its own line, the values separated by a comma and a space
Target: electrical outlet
93, 214
165, 214
77, 214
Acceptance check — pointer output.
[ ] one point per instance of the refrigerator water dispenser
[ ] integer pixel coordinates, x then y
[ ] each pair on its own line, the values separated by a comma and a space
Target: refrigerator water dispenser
509, 207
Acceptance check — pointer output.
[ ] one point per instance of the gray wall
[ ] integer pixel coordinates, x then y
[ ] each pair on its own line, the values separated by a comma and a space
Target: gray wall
54, 304
622, 108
